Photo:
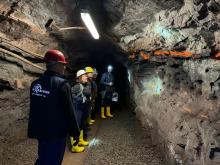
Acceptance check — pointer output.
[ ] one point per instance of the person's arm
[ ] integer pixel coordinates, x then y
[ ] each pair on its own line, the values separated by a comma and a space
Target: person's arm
95, 90
69, 110
76, 92
87, 90
112, 82
113, 79
76, 89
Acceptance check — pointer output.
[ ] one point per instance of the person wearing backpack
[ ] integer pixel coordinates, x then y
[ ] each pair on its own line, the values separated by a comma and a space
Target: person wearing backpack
81, 98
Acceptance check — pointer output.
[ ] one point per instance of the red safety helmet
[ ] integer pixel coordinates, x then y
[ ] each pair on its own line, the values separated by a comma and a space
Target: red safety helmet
54, 56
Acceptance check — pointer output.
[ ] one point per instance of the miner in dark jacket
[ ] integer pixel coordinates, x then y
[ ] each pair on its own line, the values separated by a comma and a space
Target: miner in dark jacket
52, 115
107, 90
94, 93
82, 97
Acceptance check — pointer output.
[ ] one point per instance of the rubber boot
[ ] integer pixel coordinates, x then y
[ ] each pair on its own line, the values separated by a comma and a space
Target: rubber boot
103, 113
72, 141
77, 149
82, 142
90, 121
108, 112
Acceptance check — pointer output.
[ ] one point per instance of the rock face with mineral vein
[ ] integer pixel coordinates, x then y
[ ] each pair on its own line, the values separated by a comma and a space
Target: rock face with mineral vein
178, 99
174, 81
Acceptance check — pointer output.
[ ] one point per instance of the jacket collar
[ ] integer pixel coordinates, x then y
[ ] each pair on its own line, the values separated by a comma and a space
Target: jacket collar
52, 73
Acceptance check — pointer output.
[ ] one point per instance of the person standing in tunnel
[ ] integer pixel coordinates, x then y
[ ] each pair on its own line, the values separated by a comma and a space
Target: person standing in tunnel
81, 97
52, 114
95, 96
93, 87
107, 89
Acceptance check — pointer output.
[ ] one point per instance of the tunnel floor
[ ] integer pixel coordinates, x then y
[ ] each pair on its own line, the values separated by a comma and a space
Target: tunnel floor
120, 140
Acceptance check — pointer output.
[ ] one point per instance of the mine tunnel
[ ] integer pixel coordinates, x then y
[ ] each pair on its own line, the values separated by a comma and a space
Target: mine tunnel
165, 56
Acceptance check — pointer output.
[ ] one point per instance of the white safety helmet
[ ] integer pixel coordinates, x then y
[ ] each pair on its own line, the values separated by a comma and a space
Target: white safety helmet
80, 73
110, 68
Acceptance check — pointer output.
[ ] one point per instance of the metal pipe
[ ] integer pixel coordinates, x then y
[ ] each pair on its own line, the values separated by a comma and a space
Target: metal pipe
70, 28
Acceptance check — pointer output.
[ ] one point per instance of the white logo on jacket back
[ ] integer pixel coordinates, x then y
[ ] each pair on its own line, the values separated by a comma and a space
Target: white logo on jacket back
38, 91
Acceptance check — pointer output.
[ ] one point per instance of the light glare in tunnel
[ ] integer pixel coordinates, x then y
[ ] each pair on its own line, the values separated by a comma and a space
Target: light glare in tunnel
129, 76
153, 86
163, 31
90, 25
94, 142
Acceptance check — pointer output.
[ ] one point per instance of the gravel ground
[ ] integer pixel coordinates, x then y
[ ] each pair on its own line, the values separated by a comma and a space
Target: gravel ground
22, 153
122, 141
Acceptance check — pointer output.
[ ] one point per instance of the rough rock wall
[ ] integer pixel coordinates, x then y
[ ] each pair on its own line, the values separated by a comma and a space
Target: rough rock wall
178, 101
23, 41
23, 33
191, 25
23, 22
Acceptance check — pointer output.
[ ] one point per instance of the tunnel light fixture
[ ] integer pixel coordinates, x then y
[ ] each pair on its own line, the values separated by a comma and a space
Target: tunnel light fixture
90, 24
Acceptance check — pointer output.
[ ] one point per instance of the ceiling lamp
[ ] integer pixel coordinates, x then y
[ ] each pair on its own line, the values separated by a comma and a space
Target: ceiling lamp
90, 24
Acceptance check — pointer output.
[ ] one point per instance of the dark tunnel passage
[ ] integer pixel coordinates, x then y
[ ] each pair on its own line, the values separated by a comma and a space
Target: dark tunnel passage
99, 54
84, 51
